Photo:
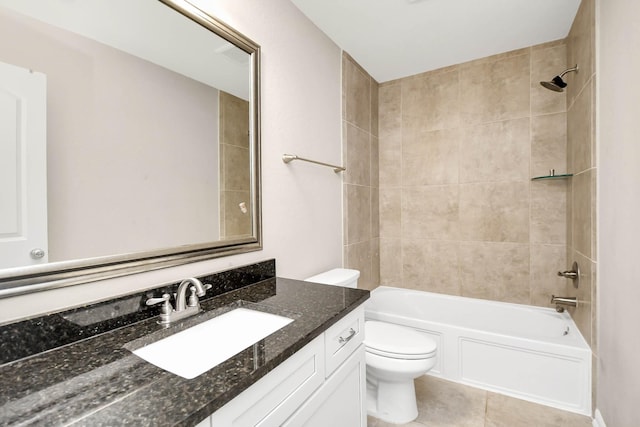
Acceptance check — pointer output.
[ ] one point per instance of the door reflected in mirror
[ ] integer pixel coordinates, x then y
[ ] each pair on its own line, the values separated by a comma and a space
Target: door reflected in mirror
151, 133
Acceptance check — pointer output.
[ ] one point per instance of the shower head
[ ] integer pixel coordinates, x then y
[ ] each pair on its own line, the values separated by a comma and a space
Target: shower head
557, 84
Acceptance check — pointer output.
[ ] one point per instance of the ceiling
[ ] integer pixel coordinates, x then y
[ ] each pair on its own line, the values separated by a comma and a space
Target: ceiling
398, 38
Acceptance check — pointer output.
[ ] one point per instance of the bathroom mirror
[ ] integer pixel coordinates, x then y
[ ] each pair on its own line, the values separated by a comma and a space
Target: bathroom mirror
129, 140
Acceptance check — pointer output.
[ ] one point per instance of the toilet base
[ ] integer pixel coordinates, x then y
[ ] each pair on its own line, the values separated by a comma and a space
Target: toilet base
393, 402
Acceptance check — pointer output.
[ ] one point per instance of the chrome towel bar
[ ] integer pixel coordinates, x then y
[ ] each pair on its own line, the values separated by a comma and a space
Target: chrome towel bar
287, 158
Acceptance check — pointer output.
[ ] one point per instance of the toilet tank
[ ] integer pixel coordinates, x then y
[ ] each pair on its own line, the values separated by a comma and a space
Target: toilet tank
337, 277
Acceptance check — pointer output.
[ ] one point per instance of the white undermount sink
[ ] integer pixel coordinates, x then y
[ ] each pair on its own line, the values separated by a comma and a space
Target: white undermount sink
196, 350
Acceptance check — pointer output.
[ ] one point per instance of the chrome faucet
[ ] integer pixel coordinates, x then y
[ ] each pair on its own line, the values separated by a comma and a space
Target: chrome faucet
562, 301
183, 308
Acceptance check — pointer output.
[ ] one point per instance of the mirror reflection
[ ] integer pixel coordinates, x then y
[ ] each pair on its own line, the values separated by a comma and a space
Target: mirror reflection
124, 129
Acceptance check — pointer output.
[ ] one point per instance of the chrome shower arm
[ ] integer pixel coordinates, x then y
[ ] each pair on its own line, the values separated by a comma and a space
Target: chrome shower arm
574, 68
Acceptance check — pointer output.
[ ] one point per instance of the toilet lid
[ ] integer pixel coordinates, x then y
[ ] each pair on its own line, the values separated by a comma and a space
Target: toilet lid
401, 342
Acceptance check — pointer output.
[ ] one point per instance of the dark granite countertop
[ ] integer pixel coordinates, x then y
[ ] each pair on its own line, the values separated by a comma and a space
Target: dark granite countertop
97, 381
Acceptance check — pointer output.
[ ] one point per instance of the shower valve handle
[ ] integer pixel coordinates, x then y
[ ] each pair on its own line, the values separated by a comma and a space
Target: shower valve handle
568, 274
573, 274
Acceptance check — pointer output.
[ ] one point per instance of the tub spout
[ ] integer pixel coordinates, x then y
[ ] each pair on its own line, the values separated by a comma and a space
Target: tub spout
560, 302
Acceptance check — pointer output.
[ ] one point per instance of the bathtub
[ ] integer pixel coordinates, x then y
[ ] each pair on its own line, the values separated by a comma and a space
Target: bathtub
528, 352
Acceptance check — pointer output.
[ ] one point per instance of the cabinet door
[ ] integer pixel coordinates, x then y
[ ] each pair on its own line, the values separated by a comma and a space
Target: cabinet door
340, 402
273, 398
23, 167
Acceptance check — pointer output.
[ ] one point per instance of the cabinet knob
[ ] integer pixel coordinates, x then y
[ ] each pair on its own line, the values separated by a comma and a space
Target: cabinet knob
37, 253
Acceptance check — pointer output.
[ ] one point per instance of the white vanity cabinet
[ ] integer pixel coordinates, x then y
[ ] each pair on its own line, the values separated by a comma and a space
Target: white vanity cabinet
322, 384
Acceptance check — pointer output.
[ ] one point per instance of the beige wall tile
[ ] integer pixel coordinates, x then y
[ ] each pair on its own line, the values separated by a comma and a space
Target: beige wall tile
358, 213
581, 50
594, 310
495, 212
496, 271
579, 131
430, 212
234, 120
583, 313
581, 212
236, 223
390, 109
346, 58
375, 162
569, 208
498, 151
495, 90
235, 169
390, 212
594, 212
390, 152
358, 156
430, 265
594, 151
549, 211
549, 144
374, 107
359, 257
375, 263
546, 261
358, 101
391, 262
375, 212
430, 158
430, 103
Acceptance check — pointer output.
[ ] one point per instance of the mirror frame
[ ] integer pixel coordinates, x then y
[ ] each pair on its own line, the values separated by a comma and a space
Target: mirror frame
23, 280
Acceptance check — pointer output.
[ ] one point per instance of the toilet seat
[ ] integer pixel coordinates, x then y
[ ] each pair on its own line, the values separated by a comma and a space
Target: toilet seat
397, 342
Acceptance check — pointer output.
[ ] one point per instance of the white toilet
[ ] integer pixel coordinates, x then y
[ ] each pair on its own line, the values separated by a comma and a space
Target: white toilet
395, 356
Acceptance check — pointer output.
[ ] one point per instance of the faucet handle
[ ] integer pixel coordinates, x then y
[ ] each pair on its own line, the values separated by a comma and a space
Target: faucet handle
573, 274
164, 299
193, 298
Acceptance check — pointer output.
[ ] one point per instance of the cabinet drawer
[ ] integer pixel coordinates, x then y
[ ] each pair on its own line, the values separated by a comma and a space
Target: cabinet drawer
343, 338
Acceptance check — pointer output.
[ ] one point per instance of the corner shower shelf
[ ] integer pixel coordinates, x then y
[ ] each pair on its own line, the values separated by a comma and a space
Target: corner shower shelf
554, 176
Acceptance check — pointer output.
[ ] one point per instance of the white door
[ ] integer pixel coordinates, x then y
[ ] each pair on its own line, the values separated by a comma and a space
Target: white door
23, 167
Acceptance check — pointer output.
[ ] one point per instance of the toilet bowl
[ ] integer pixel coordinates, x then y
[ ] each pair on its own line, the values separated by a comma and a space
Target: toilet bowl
395, 356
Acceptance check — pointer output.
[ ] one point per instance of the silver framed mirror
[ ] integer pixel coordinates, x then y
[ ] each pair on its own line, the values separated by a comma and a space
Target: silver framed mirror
151, 139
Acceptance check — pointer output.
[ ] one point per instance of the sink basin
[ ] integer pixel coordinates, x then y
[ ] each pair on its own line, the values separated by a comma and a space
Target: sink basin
196, 350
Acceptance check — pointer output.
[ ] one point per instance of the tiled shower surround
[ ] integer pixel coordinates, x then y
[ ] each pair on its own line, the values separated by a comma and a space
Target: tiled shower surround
459, 213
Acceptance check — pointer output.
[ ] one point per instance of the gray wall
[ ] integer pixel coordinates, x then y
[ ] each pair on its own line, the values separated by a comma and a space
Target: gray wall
618, 112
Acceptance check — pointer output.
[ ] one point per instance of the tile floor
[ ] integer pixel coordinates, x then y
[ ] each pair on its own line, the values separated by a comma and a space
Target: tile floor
446, 404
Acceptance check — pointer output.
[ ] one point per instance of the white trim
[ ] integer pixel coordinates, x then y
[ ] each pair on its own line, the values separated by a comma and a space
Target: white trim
598, 421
